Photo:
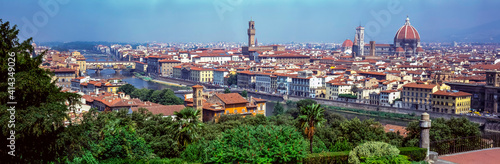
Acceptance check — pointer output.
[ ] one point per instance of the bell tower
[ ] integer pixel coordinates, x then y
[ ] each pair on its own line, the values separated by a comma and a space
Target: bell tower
251, 33
198, 99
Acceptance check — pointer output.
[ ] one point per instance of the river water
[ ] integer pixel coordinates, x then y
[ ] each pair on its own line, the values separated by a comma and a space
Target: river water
139, 83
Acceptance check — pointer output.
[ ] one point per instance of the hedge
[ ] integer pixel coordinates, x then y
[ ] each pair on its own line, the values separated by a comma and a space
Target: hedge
413, 153
327, 158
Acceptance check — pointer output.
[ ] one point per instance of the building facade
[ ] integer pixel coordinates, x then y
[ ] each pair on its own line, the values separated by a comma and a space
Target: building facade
455, 102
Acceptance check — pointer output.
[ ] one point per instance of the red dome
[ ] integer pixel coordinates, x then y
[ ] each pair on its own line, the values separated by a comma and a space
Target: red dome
420, 49
347, 43
407, 33
399, 49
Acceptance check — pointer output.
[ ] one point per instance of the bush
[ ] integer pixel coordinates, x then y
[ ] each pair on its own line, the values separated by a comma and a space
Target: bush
258, 144
413, 153
196, 152
343, 145
327, 158
351, 96
167, 161
372, 149
390, 159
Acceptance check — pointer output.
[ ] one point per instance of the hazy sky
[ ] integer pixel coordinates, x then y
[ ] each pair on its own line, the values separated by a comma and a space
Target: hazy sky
276, 21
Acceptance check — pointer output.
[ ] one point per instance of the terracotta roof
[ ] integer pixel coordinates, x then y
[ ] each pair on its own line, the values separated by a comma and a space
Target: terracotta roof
169, 61
231, 98
166, 110
197, 86
415, 85
451, 93
395, 128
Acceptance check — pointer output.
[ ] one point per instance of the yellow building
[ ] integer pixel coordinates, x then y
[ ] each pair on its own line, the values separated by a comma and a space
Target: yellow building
110, 88
217, 104
418, 96
82, 64
455, 102
201, 74
75, 53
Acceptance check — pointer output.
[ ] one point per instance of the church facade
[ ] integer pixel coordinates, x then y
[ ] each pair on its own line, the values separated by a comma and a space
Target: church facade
406, 43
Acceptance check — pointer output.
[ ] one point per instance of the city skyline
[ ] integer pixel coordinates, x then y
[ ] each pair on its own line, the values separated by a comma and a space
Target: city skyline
226, 21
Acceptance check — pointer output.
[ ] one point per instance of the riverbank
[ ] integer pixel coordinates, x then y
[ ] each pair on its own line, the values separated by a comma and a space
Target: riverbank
145, 78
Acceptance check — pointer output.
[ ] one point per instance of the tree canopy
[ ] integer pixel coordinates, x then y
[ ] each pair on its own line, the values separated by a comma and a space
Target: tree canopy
40, 111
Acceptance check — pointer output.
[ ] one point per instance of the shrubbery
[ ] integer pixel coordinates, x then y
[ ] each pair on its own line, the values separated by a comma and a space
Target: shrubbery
413, 153
372, 149
258, 144
327, 158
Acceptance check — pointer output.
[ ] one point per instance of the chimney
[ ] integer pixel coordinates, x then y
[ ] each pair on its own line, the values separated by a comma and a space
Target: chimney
372, 48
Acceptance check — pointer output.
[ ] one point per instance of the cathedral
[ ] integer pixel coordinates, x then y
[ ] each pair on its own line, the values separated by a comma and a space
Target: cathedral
406, 44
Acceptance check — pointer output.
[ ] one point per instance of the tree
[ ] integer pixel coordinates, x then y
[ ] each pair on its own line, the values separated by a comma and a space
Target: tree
156, 96
305, 103
443, 130
278, 109
354, 89
141, 94
40, 111
233, 79
168, 97
227, 90
244, 93
311, 117
187, 125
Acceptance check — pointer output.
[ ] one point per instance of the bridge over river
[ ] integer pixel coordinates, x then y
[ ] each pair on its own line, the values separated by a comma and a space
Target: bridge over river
115, 65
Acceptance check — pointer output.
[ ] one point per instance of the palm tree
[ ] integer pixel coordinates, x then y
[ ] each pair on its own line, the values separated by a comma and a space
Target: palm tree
187, 125
311, 117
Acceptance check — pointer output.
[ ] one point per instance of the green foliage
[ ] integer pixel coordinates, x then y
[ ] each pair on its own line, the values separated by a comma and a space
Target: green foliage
343, 145
233, 79
290, 103
40, 111
278, 109
294, 112
413, 153
127, 89
122, 142
372, 149
318, 146
258, 144
227, 90
310, 118
327, 158
351, 96
305, 103
187, 126
196, 152
87, 158
389, 159
244, 93
164, 97
357, 132
157, 133
141, 94
354, 89
410, 116
443, 130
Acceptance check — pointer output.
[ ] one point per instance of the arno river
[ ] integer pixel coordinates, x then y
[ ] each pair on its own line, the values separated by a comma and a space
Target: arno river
139, 83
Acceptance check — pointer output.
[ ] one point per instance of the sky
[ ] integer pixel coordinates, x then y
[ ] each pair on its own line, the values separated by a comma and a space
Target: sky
276, 21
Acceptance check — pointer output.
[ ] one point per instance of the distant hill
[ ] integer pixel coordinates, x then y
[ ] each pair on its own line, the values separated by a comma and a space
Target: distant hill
489, 32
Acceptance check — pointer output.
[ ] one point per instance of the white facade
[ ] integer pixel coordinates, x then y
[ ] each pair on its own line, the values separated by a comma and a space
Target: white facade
333, 90
387, 97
